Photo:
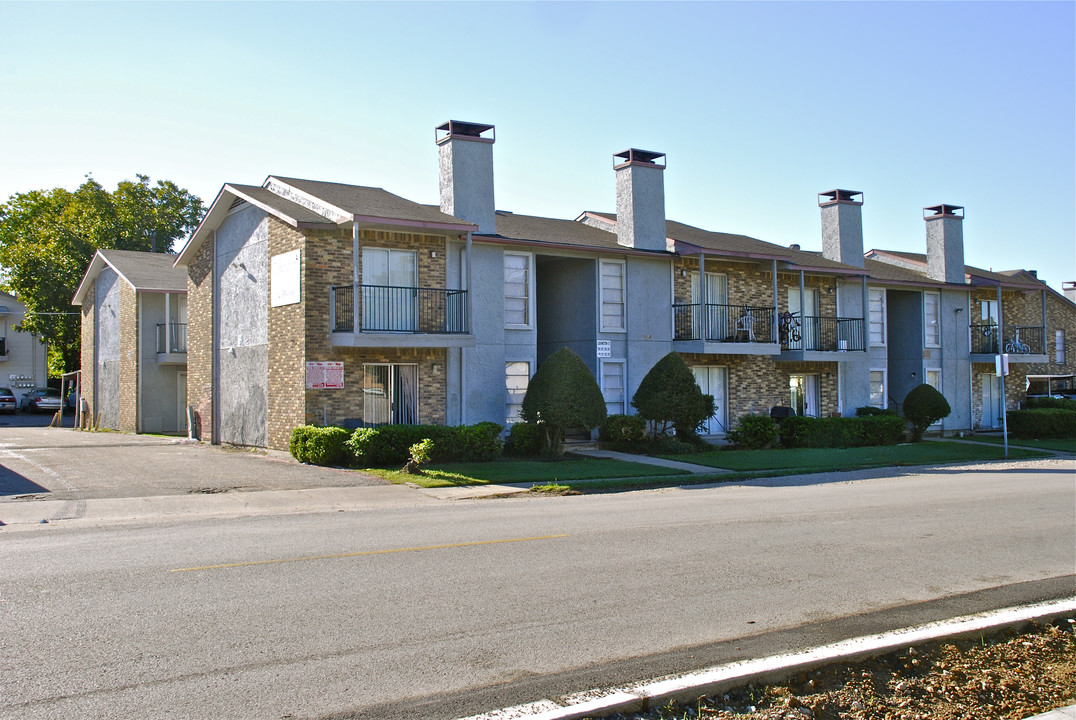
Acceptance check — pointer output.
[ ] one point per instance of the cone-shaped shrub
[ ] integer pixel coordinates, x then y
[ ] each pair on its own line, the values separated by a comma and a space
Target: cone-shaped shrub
563, 394
924, 406
669, 395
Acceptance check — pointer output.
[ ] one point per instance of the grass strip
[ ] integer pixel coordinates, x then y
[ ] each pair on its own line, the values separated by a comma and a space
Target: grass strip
1060, 444
545, 472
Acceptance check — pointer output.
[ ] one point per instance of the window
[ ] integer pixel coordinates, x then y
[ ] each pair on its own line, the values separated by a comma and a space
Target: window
390, 394
1059, 347
933, 379
803, 394
876, 319
517, 376
517, 290
612, 295
388, 298
877, 388
613, 386
931, 326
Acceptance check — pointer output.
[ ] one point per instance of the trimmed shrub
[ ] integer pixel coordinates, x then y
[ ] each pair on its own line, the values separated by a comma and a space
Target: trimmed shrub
669, 395
870, 410
754, 432
524, 440
1042, 423
390, 444
624, 432
924, 406
1041, 403
562, 394
810, 432
479, 443
319, 445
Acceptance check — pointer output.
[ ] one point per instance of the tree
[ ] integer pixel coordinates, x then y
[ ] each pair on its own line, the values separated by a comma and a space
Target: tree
49, 237
924, 406
562, 394
669, 395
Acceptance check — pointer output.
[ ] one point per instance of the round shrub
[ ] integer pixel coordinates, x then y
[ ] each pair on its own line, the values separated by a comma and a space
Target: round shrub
319, 445
624, 432
669, 395
524, 440
924, 406
562, 394
754, 432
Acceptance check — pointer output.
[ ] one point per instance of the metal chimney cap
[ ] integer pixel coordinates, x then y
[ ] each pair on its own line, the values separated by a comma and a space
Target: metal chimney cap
943, 211
635, 156
464, 130
845, 197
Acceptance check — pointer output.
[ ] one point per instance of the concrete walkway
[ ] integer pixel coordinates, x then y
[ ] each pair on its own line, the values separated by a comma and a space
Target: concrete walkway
647, 460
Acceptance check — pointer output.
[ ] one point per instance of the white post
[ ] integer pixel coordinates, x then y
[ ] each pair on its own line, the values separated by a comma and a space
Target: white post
355, 276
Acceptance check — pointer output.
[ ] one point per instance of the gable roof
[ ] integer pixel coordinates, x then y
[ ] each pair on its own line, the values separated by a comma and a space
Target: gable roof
315, 204
557, 232
144, 271
977, 277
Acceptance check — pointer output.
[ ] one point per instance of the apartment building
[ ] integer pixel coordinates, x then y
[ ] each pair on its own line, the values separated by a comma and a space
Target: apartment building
23, 355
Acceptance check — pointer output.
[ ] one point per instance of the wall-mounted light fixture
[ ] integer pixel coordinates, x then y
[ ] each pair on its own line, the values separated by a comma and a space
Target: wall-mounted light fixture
433, 253
959, 310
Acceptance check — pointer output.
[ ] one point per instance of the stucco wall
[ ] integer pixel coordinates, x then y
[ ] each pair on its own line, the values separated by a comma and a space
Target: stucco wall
160, 397
242, 302
567, 307
649, 318
106, 394
904, 321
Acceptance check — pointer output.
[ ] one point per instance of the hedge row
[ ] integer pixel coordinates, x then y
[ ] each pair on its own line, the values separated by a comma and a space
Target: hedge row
1042, 423
840, 432
1042, 403
389, 444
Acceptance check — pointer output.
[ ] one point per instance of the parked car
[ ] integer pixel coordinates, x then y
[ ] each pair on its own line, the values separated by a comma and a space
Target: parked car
7, 401
41, 400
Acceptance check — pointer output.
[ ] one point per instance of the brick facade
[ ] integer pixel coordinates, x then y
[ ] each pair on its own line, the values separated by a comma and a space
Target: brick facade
287, 345
129, 358
200, 341
87, 358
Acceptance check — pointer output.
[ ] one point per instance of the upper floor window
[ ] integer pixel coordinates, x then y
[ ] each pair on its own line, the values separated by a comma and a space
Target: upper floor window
931, 320
518, 281
612, 295
1059, 347
877, 316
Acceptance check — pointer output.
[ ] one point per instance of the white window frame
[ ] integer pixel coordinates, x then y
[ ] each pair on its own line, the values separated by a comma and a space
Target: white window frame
623, 402
936, 342
872, 322
885, 388
529, 324
602, 302
1059, 347
511, 409
938, 386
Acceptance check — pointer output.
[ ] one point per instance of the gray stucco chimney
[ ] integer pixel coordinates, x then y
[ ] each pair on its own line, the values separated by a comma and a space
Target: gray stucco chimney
842, 226
640, 200
945, 243
466, 172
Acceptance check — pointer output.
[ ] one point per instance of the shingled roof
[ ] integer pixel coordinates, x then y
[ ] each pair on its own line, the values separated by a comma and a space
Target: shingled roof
144, 271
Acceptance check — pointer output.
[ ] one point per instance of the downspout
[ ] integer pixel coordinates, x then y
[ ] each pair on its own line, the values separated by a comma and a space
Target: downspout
1044, 332
865, 314
803, 317
775, 336
704, 298
138, 363
470, 329
355, 276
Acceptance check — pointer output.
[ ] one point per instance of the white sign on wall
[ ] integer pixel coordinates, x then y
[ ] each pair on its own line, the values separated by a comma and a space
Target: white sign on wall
605, 348
284, 279
324, 375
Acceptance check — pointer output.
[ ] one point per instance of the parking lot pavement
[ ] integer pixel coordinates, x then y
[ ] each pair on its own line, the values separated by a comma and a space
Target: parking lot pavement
43, 463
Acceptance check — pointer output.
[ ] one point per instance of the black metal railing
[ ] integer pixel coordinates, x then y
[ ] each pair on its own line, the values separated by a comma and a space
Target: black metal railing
826, 334
723, 323
384, 308
171, 337
1015, 339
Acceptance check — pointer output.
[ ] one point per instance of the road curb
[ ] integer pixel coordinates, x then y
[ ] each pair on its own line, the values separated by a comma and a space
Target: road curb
638, 697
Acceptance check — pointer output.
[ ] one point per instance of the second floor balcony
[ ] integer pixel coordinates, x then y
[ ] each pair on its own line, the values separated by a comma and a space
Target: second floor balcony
172, 343
715, 323
813, 333
433, 316
1023, 343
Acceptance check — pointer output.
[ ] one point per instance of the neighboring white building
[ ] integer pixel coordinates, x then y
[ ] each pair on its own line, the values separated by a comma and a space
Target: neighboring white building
22, 354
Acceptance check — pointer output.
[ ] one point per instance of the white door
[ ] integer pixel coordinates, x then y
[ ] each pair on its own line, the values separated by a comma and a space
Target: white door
803, 393
715, 327
714, 381
991, 401
389, 289
806, 315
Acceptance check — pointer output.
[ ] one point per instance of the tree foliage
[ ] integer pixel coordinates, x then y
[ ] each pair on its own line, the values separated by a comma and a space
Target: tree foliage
669, 395
924, 406
563, 394
48, 237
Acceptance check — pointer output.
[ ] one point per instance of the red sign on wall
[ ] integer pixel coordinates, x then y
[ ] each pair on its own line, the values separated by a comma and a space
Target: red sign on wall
324, 375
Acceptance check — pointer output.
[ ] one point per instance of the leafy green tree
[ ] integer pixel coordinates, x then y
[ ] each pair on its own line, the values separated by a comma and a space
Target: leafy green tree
48, 237
562, 394
669, 395
924, 406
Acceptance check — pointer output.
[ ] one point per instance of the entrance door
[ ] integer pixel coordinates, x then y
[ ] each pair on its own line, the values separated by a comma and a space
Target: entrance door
803, 394
714, 381
807, 315
390, 394
389, 289
991, 401
715, 312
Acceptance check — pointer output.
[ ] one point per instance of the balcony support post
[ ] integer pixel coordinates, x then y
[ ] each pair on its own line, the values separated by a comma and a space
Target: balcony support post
704, 299
168, 322
1001, 325
355, 277
773, 324
1044, 324
865, 314
467, 265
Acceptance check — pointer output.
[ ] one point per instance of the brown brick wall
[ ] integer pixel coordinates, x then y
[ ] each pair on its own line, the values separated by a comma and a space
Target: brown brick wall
1015, 382
88, 344
752, 284
129, 353
287, 345
200, 340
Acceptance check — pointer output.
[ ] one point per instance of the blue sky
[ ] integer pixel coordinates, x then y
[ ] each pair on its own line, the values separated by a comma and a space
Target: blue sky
759, 106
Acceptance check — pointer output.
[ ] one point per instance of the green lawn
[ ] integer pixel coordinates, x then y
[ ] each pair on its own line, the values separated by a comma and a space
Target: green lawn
1062, 444
522, 471
826, 459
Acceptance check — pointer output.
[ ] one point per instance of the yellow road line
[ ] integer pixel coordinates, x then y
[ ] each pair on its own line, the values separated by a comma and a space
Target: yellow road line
367, 552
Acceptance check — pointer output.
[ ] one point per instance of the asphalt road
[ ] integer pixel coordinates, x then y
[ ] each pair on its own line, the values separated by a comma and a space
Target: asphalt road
448, 609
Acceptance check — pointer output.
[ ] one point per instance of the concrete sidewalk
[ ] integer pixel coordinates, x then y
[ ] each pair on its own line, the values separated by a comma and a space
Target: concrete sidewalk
647, 460
1065, 713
